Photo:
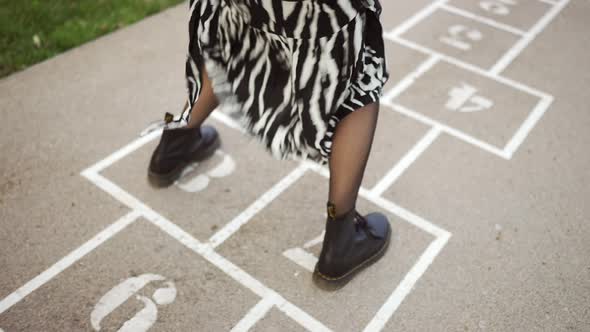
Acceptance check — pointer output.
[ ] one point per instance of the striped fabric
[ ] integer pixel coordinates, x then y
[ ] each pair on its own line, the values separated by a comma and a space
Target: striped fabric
291, 69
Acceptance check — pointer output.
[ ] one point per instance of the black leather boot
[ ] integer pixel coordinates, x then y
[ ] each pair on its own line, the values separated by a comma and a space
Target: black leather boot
177, 149
352, 243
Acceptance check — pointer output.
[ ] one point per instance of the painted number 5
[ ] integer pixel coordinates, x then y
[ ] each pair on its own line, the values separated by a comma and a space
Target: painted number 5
461, 37
497, 7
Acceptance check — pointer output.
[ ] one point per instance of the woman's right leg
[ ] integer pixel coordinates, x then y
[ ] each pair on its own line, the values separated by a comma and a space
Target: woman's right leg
351, 241
351, 146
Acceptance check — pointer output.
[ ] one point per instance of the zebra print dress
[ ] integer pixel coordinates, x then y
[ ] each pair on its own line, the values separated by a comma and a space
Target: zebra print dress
291, 69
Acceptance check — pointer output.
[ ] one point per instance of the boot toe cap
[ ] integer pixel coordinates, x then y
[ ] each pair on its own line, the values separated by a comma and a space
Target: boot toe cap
209, 134
378, 224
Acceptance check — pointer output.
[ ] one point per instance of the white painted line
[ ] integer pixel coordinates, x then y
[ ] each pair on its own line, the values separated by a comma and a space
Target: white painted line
233, 226
403, 213
468, 67
179, 234
407, 284
399, 211
118, 193
302, 257
527, 126
239, 275
255, 314
122, 152
507, 59
209, 254
481, 19
406, 161
449, 130
227, 120
549, 2
138, 143
205, 250
409, 79
320, 169
386, 311
68, 260
301, 317
314, 242
416, 18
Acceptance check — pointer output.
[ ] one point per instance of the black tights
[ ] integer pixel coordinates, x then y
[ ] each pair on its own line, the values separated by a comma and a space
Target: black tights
351, 146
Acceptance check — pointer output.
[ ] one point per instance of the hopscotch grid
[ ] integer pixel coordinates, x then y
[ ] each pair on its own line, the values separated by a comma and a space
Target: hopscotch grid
449, 130
387, 205
442, 236
518, 137
416, 18
255, 314
207, 250
409, 281
484, 20
467, 66
121, 153
528, 125
204, 250
410, 78
232, 270
406, 161
516, 49
264, 200
68, 260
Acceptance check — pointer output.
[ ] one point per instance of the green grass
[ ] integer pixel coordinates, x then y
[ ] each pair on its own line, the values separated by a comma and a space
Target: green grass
34, 30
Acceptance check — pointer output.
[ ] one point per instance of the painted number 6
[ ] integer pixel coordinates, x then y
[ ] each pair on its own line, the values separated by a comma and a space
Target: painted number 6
497, 7
460, 37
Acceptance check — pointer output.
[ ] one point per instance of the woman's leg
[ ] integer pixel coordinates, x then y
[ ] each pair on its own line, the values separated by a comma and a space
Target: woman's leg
350, 151
179, 147
205, 104
351, 241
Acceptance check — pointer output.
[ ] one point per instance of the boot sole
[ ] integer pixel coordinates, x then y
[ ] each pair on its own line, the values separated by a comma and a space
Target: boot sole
333, 284
159, 180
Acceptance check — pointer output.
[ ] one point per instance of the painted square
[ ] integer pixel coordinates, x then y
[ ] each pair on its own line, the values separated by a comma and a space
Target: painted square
140, 278
462, 38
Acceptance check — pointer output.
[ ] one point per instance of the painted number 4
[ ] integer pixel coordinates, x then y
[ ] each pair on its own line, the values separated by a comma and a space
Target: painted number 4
465, 99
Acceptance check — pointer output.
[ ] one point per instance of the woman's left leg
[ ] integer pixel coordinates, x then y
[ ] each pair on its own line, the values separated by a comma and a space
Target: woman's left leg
179, 147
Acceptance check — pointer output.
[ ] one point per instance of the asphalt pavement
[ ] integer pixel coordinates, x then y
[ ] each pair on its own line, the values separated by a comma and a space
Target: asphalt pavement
481, 162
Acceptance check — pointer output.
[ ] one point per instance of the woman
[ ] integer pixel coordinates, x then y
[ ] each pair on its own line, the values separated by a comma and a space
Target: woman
306, 76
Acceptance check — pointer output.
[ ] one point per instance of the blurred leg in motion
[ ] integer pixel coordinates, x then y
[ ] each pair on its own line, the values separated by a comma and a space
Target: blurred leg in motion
205, 104
180, 147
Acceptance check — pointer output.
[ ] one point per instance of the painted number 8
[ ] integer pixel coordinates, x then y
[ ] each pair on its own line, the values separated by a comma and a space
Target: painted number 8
497, 7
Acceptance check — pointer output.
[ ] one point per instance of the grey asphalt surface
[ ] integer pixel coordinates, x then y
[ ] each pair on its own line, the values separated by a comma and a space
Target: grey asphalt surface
480, 160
